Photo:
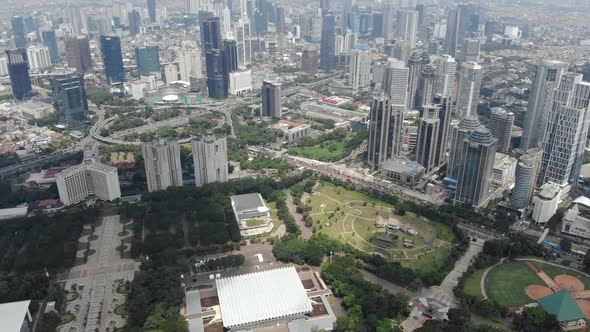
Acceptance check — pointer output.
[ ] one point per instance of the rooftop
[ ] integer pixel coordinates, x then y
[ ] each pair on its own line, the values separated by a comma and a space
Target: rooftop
549, 190
13, 314
402, 165
247, 202
562, 305
259, 296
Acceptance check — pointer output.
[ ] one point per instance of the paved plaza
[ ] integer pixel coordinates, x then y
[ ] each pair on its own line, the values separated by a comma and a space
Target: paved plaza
97, 280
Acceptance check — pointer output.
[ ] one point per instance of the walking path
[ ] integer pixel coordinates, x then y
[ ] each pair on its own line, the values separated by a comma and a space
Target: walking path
305, 231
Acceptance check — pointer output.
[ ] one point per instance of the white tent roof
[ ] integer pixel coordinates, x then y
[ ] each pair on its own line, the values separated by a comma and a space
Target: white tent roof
12, 315
261, 296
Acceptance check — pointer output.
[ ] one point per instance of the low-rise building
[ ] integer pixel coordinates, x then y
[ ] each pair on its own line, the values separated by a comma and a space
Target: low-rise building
15, 316
504, 171
240, 82
402, 170
292, 131
252, 215
35, 109
564, 307
546, 202
577, 218
16, 212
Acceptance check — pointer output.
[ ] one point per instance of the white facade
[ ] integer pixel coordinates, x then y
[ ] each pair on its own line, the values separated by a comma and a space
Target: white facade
240, 82
359, 75
504, 171
171, 73
151, 81
446, 68
189, 61
296, 133
137, 88
470, 77
162, 165
76, 183
243, 42
3, 66
210, 160
407, 26
395, 82
38, 57
546, 203
577, 219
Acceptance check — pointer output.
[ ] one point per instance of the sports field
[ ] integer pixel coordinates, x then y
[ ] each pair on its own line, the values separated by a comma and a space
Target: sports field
363, 222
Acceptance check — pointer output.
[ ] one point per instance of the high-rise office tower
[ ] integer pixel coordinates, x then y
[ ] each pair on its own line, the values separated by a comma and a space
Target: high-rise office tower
359, 74
325, 6
547, 77
18, 69
112, 58
190, 64
18, 32
407, 26
475, 171
446, 69
162, 165
148, 60
395, 81
74, 19
310, 60
244, 43
527, 171
414, 66
134, 22
501, 122
462, 22
566, 131
50, 40
171, 73
76, 183
271, 99
151, 9
470, 76
30, 25
230, 52
104, 26
328, 45
425, 94
69, 97
401, 50
388, 18
211, 34
210, 160
471, 50
428, 135
444, 105
216, 74
458, 133
385, 131
78, 53
38, 57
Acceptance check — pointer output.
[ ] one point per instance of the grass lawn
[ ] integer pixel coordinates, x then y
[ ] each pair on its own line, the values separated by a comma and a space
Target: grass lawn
506, 284
67, 317
121, 310
472, 283
444, 232
554, 271
331, 150
255, 222
118, 157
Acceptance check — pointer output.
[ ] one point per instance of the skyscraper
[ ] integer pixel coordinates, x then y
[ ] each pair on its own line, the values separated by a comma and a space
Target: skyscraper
470, 77
210, 160
148, 60
112, 58
385, 131
50, 41
501, 122
359, 74
171, 73
527, 171
271, 99
151, 9
189, 61
310, 60
18, 32
211, 34
547, 77
325, 6
395, 81
407, 26
425, 94
444, 115
462, 22
78, 53
162, 165
69, 97
458, 133
414, 65
244, 43
388, 14
328, 44
18, 69
428, 135
134, 22
38, 57
471, 50
230, 53
216, 74
566, 131
446, 69
475, 171
74, 19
